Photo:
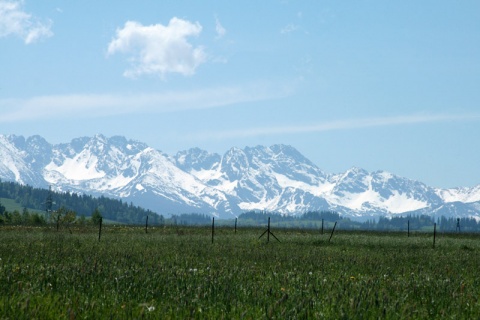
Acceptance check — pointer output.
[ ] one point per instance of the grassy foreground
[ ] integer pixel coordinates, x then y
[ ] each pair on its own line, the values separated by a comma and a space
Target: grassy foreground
179, 273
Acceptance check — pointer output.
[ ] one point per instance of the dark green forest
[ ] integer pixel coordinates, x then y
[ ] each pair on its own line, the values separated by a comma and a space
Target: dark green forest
30, 198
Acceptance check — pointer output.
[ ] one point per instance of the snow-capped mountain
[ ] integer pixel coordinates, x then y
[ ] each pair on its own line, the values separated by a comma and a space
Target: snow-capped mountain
276, 178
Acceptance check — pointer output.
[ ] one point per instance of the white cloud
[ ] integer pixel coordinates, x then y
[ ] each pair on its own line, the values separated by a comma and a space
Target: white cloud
95, 105
15, 21
158, 49
336, 126
289, 28
221, 31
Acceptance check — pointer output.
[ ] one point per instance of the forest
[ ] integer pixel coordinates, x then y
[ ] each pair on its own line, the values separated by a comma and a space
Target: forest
30, 198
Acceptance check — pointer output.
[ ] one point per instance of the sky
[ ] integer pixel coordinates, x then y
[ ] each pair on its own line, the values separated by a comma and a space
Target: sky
380, 85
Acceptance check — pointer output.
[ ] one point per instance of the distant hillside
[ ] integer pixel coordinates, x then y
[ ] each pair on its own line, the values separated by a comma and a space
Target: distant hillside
111, 209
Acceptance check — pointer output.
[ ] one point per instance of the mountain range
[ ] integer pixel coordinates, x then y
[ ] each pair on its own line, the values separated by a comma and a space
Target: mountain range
276, 179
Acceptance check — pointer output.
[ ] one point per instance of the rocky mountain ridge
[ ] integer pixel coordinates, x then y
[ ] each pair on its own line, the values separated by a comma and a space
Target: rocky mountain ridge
276, 178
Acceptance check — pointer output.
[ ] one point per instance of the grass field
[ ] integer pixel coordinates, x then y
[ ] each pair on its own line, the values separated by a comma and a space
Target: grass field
178, 273
11, 205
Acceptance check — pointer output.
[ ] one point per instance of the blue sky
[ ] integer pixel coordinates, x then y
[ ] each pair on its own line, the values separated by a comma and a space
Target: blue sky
381, 85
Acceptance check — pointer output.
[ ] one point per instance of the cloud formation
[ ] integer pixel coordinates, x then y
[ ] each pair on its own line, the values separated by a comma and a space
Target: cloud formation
221, 31
158, 49
14, 21
95, 105
289, 28
349, 124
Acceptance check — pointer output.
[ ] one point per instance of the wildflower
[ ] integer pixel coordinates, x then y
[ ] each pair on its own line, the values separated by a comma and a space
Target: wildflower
151, 308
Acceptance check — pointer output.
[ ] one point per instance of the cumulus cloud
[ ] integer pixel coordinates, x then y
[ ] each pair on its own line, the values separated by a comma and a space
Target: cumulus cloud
15, 21
158, 49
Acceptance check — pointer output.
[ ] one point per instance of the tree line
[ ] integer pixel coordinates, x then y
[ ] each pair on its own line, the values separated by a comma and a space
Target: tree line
83, 205
422, 222
314, 219
21, 218
70, 207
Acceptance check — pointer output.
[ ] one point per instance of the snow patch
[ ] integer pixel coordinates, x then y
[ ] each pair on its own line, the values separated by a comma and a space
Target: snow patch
264, 204
317, 190
400, 202
364, 201
81, 167
207, 175
465, 195
181, 159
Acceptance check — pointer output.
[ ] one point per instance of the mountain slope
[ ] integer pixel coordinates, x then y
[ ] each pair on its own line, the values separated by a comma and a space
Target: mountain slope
276, 178
22, 160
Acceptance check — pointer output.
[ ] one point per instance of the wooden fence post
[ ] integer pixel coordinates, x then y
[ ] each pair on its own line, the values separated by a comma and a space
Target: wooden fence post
100, 228
213, 228
333, 230
268, 232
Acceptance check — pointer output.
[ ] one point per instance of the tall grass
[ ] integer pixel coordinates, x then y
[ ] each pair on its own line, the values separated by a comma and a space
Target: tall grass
178, 273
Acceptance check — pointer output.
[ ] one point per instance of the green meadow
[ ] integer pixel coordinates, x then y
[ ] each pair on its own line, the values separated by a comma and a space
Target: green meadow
178, 273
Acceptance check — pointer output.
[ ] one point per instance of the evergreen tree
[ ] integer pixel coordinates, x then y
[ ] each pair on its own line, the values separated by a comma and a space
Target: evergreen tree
96, 216
16, 218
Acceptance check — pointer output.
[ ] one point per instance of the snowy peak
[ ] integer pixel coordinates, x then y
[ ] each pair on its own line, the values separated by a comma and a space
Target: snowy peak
94, 158
196, 159
380, 191
286, 160
16, 164
466, 195
235, 164
354, 180
276, 178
